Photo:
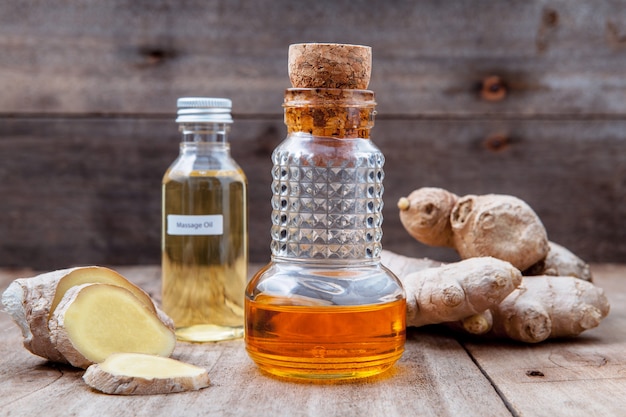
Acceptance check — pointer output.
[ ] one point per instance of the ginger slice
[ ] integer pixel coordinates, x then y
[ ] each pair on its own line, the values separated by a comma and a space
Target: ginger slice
93, 321
31, 301
98, 274
140, 374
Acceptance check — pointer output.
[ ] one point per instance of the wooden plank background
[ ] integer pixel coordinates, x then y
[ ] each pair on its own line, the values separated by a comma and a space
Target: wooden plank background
88, 92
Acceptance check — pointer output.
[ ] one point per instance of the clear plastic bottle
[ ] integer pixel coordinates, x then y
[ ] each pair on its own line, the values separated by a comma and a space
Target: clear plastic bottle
204, 235
324, 308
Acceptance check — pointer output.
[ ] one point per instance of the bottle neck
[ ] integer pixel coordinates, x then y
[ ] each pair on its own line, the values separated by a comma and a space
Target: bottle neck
330, 112
207, 144
201, 133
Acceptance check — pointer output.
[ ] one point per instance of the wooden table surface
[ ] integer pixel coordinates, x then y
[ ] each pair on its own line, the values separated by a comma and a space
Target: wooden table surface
440, 374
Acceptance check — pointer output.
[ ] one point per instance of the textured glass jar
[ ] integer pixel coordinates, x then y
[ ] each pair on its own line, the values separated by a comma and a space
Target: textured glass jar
324, 307
204, 238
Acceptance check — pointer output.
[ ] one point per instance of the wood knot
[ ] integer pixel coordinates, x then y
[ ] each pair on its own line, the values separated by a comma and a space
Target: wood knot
550, 18
614, 37
152, 56
534, 373
493, 88
497, 143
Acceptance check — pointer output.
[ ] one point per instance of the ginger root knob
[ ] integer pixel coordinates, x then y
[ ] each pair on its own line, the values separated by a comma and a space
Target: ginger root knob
425, 214
501, 226
549, 307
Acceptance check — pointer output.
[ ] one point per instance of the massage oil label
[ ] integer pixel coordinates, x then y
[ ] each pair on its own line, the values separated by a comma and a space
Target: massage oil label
185, 225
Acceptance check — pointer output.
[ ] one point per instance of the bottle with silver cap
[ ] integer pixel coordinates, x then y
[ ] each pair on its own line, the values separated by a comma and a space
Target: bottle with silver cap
204, 231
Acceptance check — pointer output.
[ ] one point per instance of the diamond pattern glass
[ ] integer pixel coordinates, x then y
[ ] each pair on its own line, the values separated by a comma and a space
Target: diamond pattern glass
327, 209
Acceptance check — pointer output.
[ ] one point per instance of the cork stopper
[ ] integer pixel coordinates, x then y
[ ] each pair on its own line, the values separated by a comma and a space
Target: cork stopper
330, 65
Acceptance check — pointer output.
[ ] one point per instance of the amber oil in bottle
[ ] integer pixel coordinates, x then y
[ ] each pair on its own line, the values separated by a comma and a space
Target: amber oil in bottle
204, 231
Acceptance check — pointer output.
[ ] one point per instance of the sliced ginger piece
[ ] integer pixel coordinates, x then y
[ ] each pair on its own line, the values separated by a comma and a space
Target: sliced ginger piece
140, 374
92, 321
97, 274
31, 301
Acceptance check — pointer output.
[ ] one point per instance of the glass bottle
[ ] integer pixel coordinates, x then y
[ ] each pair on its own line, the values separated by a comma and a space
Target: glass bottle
325, 308
204, 230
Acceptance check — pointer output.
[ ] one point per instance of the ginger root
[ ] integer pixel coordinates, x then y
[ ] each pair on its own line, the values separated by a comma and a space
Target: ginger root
480, 323
405, 265
94, 318
556, 297
501, 226
549, 307
487, 296
561, 262
455, 291
31, 301
425, 214
140, 374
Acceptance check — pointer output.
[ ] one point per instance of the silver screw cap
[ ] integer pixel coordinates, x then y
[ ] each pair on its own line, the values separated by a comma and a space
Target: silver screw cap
204, 109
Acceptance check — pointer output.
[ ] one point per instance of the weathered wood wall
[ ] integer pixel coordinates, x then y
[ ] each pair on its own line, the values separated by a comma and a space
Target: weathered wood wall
88, 93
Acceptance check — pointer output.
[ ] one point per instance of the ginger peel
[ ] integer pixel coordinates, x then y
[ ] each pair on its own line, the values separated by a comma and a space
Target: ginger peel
501, 226
549, 307
425, 214
455, 291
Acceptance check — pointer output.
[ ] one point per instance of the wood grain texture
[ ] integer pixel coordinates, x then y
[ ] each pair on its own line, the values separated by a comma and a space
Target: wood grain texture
585, 373
89, 91
87, 191
434, 378
123, 56
439, 375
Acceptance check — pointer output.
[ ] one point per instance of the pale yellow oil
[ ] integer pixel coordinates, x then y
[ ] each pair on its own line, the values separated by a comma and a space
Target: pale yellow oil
204, 277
